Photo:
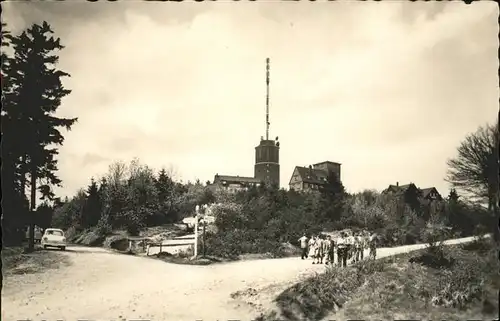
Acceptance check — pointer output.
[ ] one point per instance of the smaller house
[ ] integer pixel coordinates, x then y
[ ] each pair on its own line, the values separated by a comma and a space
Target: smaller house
234, 184
431, 194
401, 190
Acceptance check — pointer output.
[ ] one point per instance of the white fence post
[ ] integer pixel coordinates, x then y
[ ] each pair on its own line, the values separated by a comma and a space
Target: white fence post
196, 237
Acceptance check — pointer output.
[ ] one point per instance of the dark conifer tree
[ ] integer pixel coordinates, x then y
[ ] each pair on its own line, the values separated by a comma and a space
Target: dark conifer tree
36, 95
93, 206
166, 193
333, 196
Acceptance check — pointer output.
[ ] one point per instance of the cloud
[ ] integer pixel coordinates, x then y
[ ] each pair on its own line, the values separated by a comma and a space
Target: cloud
388, 88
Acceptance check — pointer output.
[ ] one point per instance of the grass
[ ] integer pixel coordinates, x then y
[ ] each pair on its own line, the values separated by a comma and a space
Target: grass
16, 261
465, 287
185, 257
176, 259
466, 290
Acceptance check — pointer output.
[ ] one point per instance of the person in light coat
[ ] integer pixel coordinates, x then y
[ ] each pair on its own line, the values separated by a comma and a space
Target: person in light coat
312, 246
303, 246
349, 241
318, 253
365, 241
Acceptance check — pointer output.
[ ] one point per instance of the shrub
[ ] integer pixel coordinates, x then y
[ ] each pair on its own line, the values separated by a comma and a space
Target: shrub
368, 267
71, 234
134, 220
433, 258
92, 238
434, 236
188, 253
464, 280
103, 226
459, 286
480, 245
231, 244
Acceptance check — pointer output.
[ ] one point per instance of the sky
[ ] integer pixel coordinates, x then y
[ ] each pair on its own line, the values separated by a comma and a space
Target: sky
387, 89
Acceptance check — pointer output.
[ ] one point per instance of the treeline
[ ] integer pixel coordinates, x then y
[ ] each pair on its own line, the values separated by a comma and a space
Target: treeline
134, 196
32, 91
130, 196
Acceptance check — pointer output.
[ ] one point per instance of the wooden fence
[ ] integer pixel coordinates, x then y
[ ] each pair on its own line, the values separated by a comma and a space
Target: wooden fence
175, 242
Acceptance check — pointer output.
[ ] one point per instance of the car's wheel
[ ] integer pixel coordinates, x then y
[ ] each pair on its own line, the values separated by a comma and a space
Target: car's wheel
63, 248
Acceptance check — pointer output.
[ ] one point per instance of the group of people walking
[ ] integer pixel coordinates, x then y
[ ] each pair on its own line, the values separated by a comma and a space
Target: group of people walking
321, 248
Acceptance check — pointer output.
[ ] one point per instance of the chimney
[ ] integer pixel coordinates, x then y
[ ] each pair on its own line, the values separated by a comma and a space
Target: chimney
397, 183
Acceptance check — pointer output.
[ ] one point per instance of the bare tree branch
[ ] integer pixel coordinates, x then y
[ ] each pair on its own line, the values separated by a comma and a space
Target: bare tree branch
475, 168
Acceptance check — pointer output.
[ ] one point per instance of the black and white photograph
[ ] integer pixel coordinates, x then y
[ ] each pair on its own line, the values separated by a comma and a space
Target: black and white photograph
250, 160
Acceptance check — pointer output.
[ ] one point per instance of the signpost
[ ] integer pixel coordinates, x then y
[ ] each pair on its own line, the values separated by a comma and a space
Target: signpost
200, 215
204, 224
196, 231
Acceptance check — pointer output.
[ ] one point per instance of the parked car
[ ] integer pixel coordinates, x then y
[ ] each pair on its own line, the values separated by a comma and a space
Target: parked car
54, 237
38, 234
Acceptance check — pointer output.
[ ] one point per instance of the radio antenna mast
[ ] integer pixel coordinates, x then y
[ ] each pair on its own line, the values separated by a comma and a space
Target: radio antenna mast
267, 99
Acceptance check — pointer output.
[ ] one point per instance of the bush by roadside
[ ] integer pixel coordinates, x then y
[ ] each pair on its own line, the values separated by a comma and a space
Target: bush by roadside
182, 259
400, 287
234, 244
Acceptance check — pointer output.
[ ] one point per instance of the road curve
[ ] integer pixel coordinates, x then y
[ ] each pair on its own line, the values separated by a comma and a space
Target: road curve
103, 285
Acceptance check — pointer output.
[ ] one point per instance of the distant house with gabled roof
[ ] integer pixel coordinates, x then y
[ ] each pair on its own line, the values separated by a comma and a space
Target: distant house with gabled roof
401, 190
430, 193
311, 178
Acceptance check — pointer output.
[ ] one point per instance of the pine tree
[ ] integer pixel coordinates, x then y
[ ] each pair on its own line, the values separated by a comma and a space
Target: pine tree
166, 192
36, 96
332, 198
453, 196
44, 213
14, 202
92, 209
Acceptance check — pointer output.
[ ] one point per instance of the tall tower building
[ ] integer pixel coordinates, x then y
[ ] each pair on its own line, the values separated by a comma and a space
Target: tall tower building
267, 167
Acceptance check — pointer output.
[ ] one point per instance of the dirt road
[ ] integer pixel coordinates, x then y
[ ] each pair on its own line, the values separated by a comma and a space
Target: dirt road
102, 285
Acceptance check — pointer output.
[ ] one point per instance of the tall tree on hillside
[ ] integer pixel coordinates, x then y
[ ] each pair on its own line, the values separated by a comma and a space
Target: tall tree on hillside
141, 206
92, 209
44, 213
114, 191
333, 196
166, 189
4, 57
69, 214
456, 213
14, 202
475, 168
37, 92
453, 197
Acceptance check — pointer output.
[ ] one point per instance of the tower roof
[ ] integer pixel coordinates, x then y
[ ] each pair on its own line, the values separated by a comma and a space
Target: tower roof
327, 162
267, 142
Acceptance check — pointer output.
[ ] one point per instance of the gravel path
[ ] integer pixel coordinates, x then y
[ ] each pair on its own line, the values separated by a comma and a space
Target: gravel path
102, 285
